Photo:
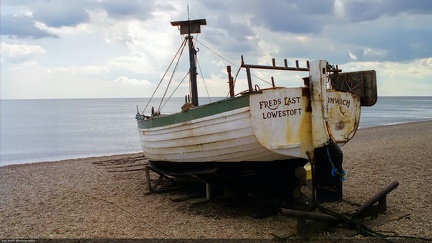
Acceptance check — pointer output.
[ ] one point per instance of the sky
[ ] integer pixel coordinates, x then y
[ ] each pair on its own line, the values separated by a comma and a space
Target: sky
52, 49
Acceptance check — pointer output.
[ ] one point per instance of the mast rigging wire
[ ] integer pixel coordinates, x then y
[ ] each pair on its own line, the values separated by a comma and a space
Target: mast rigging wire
181, 48
175, 90
171, 78
232, 63
202, 76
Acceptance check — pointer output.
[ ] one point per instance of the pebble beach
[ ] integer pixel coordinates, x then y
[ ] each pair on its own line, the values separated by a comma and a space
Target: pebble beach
105, 197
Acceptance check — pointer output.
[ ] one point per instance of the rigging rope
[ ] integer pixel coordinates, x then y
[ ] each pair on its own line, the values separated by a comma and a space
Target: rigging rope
199, 66
172, 76
178, 55
335, 171
218, 54
160, 82
202, 76
175, 89
235, 79
232, 63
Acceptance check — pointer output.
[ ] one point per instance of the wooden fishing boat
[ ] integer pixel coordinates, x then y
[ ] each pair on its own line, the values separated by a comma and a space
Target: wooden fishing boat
274, 128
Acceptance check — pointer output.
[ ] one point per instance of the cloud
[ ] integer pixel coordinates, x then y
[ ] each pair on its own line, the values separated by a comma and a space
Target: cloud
61, 13
111, 48
120, 9
80, 70
284, 16
427, 63
131, 81
58, 14
16, 53
352, 56
136, 62
358, 11
313, 7
22, 27
394, 38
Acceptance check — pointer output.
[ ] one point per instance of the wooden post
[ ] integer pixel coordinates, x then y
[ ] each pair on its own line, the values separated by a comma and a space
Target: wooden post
230, 82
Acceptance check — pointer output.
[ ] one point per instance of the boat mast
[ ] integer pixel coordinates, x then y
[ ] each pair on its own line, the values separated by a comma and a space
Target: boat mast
187, 28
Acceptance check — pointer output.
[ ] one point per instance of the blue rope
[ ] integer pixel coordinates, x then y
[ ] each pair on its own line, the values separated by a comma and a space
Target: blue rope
335, 171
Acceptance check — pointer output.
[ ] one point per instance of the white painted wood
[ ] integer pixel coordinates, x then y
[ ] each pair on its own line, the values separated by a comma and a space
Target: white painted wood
281, 121
318, 85
226, 137
344, 115
279, 124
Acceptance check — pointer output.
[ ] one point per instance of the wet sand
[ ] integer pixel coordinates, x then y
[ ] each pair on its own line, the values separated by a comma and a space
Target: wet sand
104, 197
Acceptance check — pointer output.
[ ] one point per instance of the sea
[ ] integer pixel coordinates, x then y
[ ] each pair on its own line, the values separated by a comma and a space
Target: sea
58, 129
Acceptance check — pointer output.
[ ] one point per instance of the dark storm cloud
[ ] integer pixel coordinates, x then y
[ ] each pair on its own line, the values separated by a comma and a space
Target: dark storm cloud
237, 31
301, 16
379, 30
233, 27
358, 11
22, 27
61, 13
386, 30
55, 13
51, 13
389, 38
216, 5
399, 44
225, 31
282, 18
314, 7
140, 9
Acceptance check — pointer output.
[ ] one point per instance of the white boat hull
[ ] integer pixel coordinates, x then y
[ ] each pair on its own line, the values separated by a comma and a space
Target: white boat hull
276, 125
226, 137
